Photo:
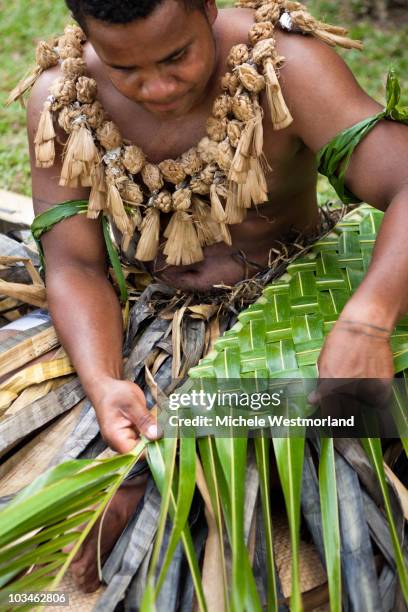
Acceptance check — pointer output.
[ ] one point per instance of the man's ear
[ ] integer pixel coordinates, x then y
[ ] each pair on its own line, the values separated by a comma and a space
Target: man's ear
211, 10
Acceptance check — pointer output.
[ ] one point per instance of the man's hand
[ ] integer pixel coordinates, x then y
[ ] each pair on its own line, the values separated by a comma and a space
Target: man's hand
354, 349
120, 407
356, 360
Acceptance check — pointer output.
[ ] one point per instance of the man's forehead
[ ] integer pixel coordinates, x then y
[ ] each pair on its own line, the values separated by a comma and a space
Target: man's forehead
169, 27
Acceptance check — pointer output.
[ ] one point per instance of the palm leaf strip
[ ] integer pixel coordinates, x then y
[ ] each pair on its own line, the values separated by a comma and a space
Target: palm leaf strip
262, 448
372, 447
61, 493
330, 521
159, 463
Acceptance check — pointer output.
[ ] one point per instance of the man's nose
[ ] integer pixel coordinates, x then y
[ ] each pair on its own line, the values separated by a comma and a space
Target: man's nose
158, 89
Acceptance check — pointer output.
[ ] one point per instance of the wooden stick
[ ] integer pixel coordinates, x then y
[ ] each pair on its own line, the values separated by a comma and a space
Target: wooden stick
29, 349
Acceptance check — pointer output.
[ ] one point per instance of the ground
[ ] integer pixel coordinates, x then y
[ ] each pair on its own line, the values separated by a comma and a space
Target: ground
23, 23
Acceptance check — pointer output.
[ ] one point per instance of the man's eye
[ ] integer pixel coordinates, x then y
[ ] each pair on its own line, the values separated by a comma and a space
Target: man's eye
125, 68
177, 57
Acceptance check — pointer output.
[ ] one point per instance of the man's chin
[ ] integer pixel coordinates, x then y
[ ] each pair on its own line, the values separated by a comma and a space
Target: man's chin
175, 109
173, 113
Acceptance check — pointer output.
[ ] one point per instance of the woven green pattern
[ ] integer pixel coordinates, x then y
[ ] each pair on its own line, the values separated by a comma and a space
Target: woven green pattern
282, 333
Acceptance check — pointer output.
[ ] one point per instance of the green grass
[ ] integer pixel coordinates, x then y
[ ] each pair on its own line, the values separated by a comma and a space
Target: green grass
23, 23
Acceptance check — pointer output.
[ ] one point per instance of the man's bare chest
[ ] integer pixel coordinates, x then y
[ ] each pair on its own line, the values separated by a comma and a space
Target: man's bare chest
167, 137
170, 139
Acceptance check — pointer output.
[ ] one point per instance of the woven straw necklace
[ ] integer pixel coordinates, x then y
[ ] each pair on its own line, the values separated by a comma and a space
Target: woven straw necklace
208, 187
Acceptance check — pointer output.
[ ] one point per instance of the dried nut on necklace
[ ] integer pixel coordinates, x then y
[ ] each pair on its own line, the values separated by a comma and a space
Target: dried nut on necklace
132, 193
69, 39
291, 6
207, 149
242, 108
109, 136
230, 83
191, 162
216, 128
163, 201
74, 29
172, 171
221, 106
248, 4
69, 47
67, 117
182, 199
250, 78
225, 156
133, 159
260, 31
197, 185
95, 115
234, 130
238, 55
268, 12
207, 175
64, 91
86, 90
152, 177
45, 56
73, 67
263, 50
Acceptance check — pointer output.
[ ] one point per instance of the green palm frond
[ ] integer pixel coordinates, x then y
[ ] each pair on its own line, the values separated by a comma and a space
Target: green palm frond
330, 521
42, 520
279, 336
289, 458
262, 448
372, 446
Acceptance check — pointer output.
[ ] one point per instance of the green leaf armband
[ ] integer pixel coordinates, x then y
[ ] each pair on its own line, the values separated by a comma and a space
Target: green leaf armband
46, 221
333, 160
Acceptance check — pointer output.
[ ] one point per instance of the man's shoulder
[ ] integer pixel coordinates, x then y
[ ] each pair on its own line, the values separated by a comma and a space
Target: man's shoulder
40, 91
305, 55
306, 60
321, 91
233, 25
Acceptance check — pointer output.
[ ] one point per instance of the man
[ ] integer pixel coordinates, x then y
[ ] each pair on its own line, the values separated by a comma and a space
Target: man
158, 66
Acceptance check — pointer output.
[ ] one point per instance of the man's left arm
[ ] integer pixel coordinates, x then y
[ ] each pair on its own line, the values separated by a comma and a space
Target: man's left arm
325, 99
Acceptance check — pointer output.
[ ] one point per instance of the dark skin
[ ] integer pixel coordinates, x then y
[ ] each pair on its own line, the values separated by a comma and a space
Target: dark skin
157, 79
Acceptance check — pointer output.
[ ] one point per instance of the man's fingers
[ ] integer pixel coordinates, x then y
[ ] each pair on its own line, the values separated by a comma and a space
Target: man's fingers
314, 397
121, 440
145, 422
123, 417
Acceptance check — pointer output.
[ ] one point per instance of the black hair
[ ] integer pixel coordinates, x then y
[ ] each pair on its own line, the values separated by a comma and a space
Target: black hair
119, 11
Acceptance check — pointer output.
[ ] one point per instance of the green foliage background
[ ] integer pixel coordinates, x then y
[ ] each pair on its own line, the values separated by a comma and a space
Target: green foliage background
24, 22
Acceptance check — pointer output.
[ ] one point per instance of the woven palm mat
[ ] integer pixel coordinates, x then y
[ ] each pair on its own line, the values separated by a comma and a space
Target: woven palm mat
295, 312
311, 571
78, 601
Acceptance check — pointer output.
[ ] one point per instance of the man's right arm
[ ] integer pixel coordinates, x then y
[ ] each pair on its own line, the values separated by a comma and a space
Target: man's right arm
82, 302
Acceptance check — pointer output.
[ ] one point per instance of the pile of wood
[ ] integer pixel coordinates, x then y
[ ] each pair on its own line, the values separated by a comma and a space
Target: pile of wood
36, 397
